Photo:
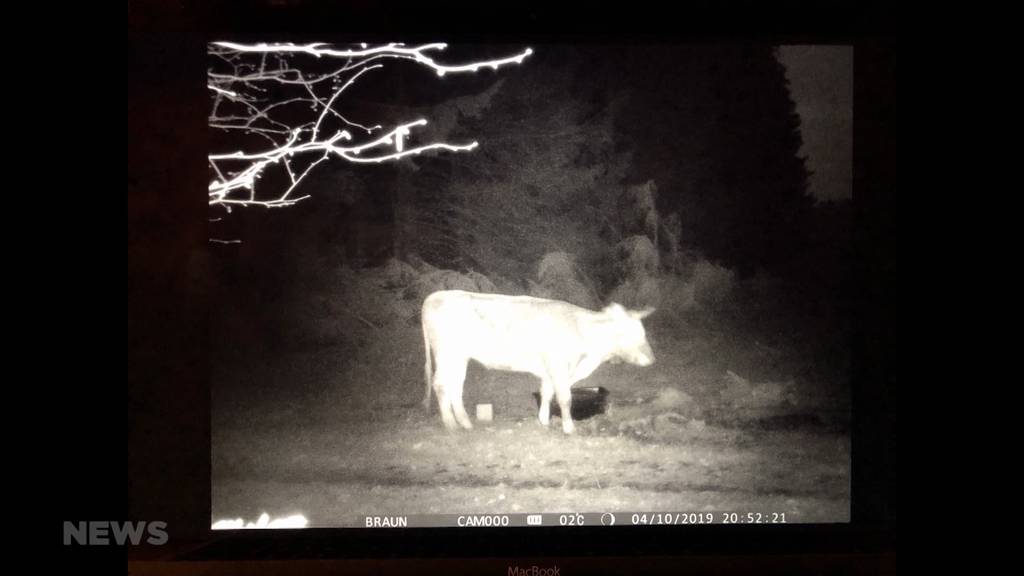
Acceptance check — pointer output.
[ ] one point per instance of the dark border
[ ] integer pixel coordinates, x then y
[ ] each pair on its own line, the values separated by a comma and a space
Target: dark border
169, 435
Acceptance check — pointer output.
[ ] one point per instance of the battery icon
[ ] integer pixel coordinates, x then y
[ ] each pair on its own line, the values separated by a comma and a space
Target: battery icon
533, 519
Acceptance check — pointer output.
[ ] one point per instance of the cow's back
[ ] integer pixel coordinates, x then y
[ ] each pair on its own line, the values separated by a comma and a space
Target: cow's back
519, 333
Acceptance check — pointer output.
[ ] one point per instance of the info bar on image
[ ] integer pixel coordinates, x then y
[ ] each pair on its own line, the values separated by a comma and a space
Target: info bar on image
571, 519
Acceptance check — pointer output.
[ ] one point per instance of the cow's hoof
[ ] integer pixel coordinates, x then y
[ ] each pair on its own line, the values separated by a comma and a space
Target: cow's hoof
568, 428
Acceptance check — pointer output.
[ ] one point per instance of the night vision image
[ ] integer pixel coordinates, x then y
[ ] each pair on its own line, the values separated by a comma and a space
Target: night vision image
530, 284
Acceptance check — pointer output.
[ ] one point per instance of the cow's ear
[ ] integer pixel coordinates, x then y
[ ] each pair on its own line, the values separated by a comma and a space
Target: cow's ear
641, 314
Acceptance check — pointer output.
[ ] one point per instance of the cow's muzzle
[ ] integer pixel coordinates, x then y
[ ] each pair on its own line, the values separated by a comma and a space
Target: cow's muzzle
645, 356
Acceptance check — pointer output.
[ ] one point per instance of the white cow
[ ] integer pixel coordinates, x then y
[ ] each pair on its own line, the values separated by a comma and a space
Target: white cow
556, 341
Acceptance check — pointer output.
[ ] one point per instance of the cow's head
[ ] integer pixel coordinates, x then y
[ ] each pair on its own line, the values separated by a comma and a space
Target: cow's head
630, 340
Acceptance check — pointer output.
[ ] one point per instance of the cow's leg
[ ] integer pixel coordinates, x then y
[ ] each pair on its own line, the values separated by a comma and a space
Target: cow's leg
443, 379
452, 378
443, 405
563, 390
457, 405
547, 390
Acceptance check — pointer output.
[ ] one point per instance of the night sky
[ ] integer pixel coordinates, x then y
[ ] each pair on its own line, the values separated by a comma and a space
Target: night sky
821, 84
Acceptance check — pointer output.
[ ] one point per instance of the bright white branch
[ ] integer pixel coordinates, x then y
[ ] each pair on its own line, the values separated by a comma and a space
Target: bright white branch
222, 91
393, 50
241, 79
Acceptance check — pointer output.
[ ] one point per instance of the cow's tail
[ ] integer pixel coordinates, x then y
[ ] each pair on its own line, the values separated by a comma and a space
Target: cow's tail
427, 368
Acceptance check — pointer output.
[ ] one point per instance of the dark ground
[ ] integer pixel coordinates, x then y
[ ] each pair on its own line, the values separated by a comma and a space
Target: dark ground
725, 420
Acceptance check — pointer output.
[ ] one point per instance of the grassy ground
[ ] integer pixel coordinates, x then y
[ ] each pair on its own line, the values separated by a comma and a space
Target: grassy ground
724, 421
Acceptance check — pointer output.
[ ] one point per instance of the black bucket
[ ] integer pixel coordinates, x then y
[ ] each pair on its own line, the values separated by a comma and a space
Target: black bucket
586, 402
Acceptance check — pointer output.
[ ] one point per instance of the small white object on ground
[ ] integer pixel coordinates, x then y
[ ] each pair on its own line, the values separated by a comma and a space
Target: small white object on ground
484, 412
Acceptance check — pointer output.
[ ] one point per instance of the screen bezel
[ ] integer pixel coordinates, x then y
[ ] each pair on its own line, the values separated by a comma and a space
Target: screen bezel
872, 432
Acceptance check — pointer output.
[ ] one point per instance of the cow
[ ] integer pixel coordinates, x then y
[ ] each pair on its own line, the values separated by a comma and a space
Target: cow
556, 341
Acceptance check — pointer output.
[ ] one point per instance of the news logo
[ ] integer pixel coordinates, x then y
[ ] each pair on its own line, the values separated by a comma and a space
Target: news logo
105, 533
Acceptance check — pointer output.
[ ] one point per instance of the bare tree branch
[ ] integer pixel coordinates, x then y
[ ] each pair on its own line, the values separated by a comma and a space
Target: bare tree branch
241, 81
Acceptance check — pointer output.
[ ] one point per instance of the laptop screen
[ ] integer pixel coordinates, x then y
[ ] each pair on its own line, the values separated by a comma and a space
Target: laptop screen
529, 284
